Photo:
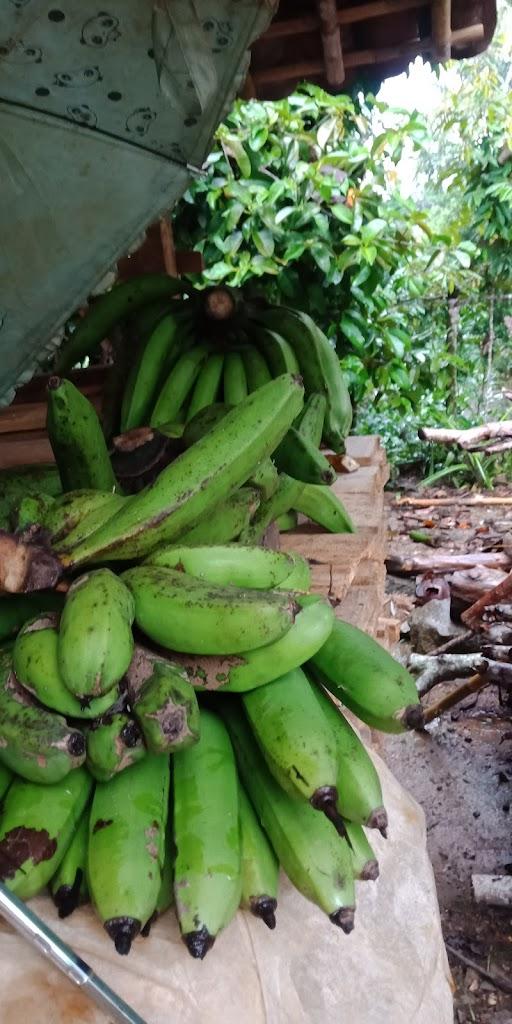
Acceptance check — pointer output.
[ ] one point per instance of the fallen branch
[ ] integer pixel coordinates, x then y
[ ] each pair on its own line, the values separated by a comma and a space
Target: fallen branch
434, 669
497, 652
472, 614
469, 584
460, 499
467, 439
495, 979
495, 449
453, 642
472, 685
443, 561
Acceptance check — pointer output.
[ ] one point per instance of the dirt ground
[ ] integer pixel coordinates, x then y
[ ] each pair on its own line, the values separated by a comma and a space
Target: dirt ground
460, 771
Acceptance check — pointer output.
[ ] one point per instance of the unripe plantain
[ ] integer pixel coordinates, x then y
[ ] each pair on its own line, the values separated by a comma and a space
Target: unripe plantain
260, 868
69, 883
114, 743
227, 565
167, 710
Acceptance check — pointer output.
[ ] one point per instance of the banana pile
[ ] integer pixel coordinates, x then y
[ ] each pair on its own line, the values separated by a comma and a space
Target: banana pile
170, 732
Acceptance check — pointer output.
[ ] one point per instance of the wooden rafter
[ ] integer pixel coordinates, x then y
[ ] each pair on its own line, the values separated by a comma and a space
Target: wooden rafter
331, 43
345, 16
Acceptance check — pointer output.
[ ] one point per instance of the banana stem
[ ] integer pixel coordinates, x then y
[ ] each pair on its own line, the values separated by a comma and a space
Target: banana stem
472, 685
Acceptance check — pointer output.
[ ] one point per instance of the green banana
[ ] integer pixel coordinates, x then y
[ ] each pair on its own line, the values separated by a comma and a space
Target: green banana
228, 564
35, 744
36, 828
184, 614
6, 777
359, 789
144, 321
256, 370
69, 883
285, 497
319, 366
110, 308
166, 895
33, 510
260, 869
92, 521
207, 881
265, 476
364, 861
310, 630
178, 385
24, 481
310, 422
144, 377
302, 460
36, 664
362, 675
316, 860
114, 742
16, 609
72, 508
198, 480
322, 505
300, 576
295, 738
126, 847
95, 637
287, 521
277, 351
234, 379
207, 385
226, 521
167, 710
77, 440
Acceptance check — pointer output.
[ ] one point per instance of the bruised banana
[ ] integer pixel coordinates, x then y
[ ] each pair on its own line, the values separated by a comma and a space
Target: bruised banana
260, 869
36, 828
234, 380
207, 384
295, 738
362, 675
321, 504
207, 881
95, 637
34, 743
114, 743
36, 664
298, 457
257, 372
229, 564
255, 668
16, 609
310, 422
316, 860
166, 710
77, 440
126, 847
359, 790
226, 521
69, 883
185, 614
178, 386
199, 479
364, 861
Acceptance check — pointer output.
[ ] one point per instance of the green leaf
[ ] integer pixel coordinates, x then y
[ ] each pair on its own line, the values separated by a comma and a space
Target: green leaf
322, 256
342, 213
352, 332
218, 271
263, 240
372, 229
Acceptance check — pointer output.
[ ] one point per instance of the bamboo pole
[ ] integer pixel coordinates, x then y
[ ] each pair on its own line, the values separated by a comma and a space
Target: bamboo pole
331, 43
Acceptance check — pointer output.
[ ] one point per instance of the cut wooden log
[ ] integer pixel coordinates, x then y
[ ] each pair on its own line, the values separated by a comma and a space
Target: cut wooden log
457, 499
441, 561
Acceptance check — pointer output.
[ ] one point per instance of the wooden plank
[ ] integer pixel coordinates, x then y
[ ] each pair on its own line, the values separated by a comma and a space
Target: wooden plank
345, 16
24, 449
365, 449
441, 13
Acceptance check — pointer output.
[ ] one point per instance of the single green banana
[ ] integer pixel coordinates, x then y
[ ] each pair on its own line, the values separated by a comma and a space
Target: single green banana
311, 628
166, 893
359, 790
145, 375
310, 422
6, 777
184, 614
178, 385
77, 440
234, 379
260, 868
228, 564
16, 609
265, 476
114, 742
24, 481
69, 883
144, 321
36, 664
287, 521
364, 862
126, 847
256, 369
207, 881
201, 478
36, 828
92, 521
302, 460
95, 637
207, 384
316, 860
319, 366
277, 351
167, 710
35, 744
285, 497
322, 505
295, 738
300, 576
72, 508
362, 675
226, 521
33, 510
110, 308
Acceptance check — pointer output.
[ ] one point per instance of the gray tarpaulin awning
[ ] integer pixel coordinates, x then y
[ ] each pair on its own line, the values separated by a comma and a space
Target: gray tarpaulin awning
103, 113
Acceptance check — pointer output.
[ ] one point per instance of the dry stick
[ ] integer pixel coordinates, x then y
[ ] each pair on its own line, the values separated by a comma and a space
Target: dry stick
497, 652
472, 685
495, 979
450, 644
494, 596
444, 561
495, 449
467, 438
462, 499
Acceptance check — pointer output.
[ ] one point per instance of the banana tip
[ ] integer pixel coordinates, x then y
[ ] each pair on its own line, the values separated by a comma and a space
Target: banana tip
54, 383
378, 819
66, 900
324, 799
122, 931
370, 871
413, 717
265, 908
199, 943
344, 919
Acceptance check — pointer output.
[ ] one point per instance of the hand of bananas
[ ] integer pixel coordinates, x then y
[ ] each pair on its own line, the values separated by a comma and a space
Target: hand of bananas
166, 733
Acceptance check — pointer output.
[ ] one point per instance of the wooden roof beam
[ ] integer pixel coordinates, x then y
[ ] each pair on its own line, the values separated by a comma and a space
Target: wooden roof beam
345, 16
360, 58
331, 43
441, 29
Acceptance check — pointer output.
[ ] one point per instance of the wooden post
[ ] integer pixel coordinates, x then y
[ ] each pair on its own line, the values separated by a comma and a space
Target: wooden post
441, 29
331, 43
